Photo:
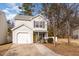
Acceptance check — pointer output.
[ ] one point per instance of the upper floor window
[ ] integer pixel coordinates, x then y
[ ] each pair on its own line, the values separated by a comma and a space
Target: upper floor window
42, 24
36, 24
39, 24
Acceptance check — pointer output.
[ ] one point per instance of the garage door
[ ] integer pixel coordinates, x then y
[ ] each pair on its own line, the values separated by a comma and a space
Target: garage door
24, 37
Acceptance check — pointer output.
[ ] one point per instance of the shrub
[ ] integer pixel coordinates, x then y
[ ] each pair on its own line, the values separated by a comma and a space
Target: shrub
50, 40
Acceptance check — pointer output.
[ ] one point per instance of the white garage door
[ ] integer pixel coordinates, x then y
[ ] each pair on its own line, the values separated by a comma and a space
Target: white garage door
24, 37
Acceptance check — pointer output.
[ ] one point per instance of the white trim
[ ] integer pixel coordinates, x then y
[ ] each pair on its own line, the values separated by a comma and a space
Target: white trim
19, 27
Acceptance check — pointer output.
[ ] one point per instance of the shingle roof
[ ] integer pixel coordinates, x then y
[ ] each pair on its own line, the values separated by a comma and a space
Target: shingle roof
27, 18
23, 17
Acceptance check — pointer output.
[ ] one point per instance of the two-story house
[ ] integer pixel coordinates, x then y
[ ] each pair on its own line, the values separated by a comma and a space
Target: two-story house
29, 29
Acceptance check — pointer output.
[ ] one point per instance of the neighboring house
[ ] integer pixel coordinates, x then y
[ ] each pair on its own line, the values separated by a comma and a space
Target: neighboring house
76, 33
3, 28
29, 29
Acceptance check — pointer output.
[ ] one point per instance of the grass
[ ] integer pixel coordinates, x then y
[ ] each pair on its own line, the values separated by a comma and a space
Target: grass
64, 49
4, 48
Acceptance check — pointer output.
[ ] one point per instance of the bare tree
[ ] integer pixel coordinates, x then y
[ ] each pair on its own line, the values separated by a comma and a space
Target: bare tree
60, 18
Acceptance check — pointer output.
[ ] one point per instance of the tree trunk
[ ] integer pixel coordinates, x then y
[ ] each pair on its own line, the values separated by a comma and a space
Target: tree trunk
54, 31
68, 31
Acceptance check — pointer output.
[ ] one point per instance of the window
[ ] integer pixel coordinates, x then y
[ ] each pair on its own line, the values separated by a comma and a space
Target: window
39, 24
42, 24
36, 24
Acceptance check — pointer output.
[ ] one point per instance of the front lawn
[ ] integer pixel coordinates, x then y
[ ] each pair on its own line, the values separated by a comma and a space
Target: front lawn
64, 49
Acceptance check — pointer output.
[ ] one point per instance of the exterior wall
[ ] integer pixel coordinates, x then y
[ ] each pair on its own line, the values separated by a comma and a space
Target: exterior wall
30, 24
21, 29
27, 23
3, 28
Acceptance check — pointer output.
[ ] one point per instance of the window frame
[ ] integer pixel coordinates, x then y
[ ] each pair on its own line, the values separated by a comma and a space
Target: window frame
39, 24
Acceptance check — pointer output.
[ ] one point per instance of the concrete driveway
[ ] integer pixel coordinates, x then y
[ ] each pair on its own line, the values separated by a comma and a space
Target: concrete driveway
29, 50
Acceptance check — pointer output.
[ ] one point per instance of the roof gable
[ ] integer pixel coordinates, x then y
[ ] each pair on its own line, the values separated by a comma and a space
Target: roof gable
19, 27
39, 15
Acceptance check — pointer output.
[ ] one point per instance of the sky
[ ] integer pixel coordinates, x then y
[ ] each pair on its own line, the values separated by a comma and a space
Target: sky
38, 7
11, 9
